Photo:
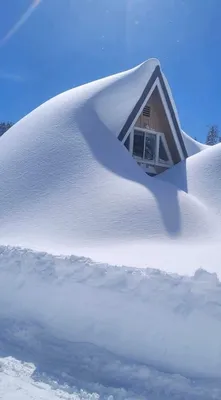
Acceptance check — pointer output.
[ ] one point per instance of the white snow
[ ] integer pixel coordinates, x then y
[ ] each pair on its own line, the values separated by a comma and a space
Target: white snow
112, 328
202, 178
68, 186
193, 146
16, 382
84, 329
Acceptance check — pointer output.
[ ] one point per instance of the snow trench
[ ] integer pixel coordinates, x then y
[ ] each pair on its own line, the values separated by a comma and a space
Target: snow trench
170, 322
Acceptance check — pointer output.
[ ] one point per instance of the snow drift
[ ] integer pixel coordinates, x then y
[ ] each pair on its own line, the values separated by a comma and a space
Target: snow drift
172, 323
68, 186
202, 177
192, 146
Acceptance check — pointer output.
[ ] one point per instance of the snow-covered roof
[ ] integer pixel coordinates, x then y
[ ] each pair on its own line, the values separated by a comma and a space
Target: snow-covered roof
69, 186
156, 79
122, 91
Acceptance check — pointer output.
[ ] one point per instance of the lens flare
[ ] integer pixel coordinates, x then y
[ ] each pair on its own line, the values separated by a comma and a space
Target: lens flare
21, 21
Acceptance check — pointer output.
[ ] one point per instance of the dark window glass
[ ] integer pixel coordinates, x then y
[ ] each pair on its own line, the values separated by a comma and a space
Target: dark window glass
162, 152
138, 144
150, 147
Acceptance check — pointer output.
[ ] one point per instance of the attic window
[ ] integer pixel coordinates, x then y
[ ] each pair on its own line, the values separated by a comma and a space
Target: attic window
144, 145
151, 148
146, 111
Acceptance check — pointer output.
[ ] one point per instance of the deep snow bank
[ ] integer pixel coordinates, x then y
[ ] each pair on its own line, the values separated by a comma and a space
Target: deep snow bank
106, 377
68, 186
172, 323
202, 177
16, 382
193, 146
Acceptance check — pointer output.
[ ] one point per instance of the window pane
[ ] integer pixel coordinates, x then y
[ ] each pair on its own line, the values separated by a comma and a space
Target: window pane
150, 147
163, 157
138, 144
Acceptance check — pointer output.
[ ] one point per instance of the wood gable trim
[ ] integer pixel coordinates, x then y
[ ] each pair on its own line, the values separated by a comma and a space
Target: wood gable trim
156, 74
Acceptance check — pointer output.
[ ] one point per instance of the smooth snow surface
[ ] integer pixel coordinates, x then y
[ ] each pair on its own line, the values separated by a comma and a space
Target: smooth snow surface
68, 186
73, 329
202, 178
192, 146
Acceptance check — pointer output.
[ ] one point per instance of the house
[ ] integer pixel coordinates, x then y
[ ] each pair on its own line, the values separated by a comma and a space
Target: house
152, 133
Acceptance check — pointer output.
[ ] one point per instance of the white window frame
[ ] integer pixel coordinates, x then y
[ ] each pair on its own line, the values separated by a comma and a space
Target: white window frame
158, 85
149, 169
159, 135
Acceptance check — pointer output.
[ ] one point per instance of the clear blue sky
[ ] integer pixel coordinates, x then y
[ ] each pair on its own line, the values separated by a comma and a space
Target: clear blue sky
65, 43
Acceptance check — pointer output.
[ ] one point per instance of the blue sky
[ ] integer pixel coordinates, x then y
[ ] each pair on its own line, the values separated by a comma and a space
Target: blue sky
65, 43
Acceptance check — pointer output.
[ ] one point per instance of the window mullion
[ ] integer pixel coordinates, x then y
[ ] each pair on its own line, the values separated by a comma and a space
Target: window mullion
144, 146
157, 148
167, 149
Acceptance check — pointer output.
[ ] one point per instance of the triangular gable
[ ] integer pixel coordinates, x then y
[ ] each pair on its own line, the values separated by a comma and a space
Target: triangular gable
157, 81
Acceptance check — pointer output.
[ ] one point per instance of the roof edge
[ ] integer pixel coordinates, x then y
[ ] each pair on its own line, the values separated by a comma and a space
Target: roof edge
155, 74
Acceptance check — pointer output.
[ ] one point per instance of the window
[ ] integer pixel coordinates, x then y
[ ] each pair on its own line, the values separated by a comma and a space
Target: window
138, 148
163, 156
151, 147
144, 145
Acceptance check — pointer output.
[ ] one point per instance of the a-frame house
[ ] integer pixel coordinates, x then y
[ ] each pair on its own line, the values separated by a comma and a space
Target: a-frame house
152, 132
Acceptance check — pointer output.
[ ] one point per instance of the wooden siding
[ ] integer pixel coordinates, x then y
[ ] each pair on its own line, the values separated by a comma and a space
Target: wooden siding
158, 122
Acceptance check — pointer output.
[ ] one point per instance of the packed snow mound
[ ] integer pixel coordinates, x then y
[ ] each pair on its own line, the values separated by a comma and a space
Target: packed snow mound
121, 380
202, 177
193, 146
68, 185
54, 309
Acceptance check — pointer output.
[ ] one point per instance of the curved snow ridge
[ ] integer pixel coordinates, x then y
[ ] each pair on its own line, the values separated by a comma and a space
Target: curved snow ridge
119, 93
202, 177
174, 322
69, 185
192, 145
